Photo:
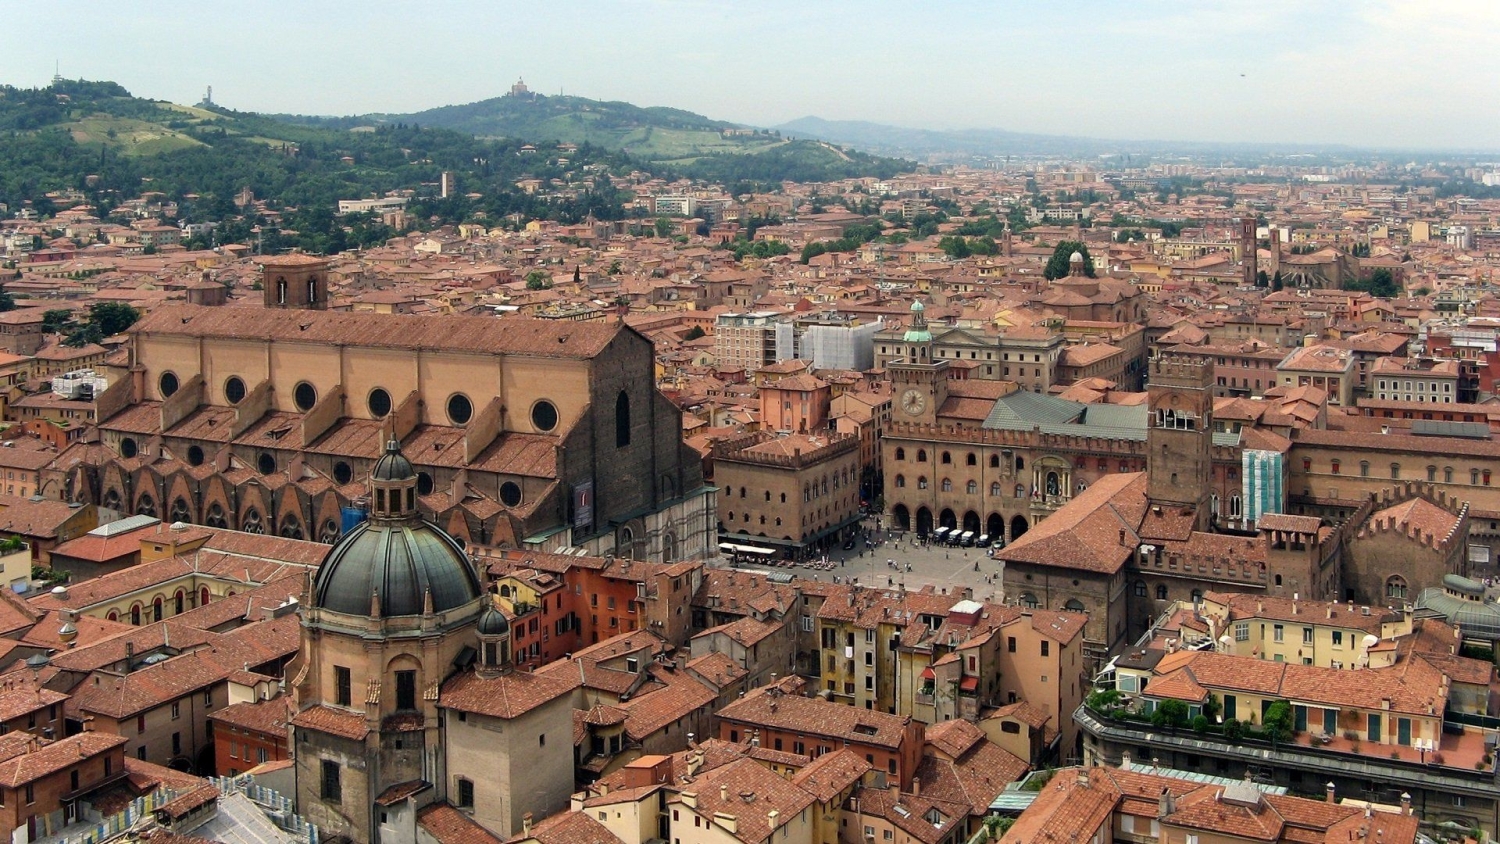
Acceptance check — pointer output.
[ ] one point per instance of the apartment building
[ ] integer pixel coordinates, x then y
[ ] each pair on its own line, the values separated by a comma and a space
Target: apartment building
1326, 367
782, 720
1392, 733
1144, 804
47, 784
746, 340
1420, 380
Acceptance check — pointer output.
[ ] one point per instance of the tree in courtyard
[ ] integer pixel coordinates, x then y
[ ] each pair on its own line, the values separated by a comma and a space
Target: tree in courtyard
112, 317
1059, 264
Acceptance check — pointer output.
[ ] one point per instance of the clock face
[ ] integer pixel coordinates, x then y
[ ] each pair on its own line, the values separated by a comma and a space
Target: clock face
913, 402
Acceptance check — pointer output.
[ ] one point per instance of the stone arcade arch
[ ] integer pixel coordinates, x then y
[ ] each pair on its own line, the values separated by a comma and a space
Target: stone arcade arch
1018, 527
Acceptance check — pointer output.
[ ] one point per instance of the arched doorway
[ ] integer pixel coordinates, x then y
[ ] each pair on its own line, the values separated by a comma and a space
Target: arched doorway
1018, 528
995, 526
971, 521
947, 519
902, 517
924, 521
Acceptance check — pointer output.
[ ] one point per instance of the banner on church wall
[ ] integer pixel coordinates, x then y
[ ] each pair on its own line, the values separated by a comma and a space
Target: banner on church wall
583, 504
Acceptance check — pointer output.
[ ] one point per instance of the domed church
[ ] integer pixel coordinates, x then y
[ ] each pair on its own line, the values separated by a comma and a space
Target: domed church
395, 608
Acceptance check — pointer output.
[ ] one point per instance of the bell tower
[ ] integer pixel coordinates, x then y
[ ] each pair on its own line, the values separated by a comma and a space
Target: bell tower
1249, 254
1179, 433
295, 281
919, 383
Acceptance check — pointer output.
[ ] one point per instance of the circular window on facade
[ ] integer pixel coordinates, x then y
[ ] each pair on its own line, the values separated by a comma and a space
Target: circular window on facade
544, 415
510, 493
167, 383
379, 403
424, 483
460, 409
304, 395
234, 389
127, 448
195, 455
266, 462
342, 472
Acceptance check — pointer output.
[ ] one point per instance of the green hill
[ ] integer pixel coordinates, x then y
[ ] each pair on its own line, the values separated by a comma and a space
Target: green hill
686, 143
650, 133
94, 138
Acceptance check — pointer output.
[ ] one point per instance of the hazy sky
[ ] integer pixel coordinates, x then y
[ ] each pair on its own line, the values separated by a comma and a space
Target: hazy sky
1371, 72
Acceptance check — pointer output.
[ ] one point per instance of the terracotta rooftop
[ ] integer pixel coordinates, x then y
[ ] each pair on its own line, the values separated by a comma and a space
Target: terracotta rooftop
486, 335
507, 695
815, 717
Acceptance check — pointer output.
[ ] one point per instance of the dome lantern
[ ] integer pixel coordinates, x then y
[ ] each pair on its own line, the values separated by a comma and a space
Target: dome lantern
493, 631
393, 485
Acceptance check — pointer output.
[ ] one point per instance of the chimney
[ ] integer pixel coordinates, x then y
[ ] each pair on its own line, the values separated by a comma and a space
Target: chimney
526, 824
1083, 777
723, 793
129, 656
1405, 803
916, 786
1328, 791
1165, 805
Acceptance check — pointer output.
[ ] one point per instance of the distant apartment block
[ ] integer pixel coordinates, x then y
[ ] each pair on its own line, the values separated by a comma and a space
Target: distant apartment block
676, 205
378, 206
746, 341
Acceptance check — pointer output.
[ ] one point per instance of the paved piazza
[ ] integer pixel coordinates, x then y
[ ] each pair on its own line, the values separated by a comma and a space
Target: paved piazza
886, 565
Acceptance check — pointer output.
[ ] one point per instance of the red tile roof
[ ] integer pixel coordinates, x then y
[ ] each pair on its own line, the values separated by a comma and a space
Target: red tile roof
325, 719
28, 758
507, 695
450, 826
485, 335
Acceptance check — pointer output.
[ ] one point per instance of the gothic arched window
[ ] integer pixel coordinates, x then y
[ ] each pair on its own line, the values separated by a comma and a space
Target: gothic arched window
622, 420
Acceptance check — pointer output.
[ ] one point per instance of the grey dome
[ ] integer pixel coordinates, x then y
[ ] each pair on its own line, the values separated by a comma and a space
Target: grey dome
493, 623
393, 465
400, 562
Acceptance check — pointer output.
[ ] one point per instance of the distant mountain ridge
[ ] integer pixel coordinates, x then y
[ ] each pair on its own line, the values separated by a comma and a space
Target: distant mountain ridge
882, 139
899, 140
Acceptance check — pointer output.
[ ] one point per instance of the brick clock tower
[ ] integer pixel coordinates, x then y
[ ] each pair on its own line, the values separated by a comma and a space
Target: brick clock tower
1179, 434
1249, 257
919, 384
295, 281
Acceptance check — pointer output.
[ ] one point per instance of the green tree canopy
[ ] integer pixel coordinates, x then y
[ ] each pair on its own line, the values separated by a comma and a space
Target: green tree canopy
112, 317
1277, 722
1058, 264
1170, 713
56, 320
538, 280
1380, 283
